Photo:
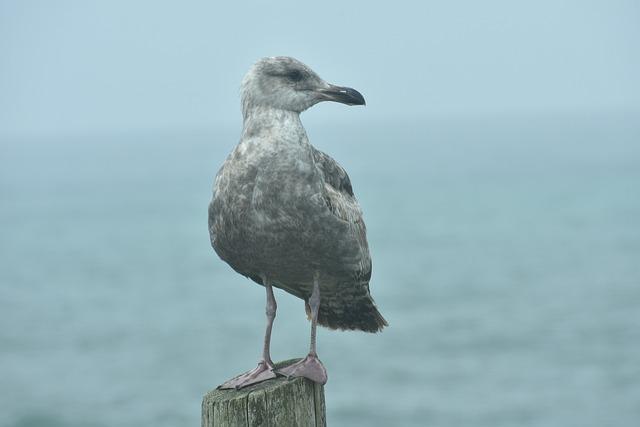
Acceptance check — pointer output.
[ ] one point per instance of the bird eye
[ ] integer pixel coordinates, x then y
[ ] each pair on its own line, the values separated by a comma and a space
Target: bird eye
295, 75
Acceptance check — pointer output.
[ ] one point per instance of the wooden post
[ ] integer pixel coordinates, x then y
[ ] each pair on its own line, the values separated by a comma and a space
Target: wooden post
276, 402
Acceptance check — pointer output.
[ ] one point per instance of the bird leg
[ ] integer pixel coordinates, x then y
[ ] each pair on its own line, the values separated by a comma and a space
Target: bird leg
310, 367
265, 369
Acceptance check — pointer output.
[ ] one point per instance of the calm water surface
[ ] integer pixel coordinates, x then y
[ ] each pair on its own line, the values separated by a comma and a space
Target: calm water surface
506, 259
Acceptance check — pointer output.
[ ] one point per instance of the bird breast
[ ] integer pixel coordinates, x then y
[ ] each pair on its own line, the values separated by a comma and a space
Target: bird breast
264, 195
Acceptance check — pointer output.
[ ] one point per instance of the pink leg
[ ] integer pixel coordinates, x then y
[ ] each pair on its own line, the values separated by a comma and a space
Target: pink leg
310, 367
265, 369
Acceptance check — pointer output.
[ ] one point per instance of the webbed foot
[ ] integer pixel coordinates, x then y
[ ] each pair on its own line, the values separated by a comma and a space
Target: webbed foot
264, 371
310, 367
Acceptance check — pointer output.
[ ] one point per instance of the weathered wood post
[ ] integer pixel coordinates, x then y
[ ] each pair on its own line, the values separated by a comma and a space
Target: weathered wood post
277, 402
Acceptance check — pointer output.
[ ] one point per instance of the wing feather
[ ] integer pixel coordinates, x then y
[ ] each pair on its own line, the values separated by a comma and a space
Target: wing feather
354, 308
343, 204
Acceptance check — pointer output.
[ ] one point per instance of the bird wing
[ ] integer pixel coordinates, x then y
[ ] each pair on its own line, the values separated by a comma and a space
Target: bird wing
354, 307
340, 200
334, 174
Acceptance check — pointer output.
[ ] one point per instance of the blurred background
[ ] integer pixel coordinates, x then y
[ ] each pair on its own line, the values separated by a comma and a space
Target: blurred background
497, 162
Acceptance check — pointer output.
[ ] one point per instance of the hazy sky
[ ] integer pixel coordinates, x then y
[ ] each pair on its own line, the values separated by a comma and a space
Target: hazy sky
85, 66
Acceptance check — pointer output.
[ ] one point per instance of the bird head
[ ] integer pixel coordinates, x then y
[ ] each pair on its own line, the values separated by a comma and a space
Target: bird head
285, 83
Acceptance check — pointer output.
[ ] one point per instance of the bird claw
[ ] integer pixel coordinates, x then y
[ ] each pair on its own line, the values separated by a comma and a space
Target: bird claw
310, 367
264, 371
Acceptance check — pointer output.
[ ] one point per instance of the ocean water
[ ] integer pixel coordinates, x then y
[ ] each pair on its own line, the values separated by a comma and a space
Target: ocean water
506, 257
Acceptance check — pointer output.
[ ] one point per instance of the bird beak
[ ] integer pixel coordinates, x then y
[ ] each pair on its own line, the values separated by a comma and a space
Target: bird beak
344, 95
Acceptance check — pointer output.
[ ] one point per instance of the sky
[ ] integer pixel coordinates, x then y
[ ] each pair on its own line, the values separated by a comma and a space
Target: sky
69, 67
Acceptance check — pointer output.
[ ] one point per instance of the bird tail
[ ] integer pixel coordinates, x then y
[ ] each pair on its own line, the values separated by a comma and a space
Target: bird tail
356, 311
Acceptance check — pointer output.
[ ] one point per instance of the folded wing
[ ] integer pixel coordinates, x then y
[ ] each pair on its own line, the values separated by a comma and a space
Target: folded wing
353, 308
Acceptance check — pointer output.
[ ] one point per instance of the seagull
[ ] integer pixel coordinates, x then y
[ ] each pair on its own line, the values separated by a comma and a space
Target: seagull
283, 213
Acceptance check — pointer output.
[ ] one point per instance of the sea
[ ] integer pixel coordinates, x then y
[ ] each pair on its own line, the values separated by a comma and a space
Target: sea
506, 259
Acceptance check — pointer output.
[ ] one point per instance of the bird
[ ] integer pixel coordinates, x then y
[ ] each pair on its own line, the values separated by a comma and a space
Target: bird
283, 213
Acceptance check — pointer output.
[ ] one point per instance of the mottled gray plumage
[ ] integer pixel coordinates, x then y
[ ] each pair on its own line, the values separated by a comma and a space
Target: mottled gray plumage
284, 211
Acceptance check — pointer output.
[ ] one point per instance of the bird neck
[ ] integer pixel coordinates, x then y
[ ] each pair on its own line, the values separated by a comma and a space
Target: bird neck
260, 118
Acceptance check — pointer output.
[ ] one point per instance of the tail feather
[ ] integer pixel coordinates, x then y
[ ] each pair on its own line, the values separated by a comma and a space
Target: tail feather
353, 311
